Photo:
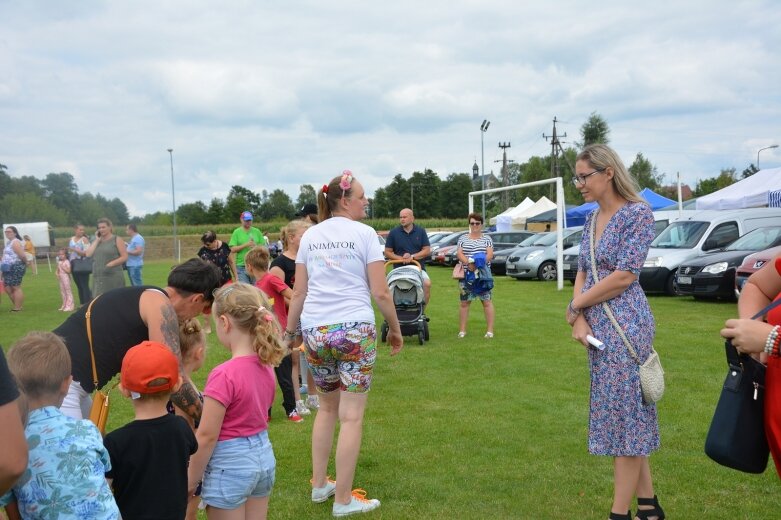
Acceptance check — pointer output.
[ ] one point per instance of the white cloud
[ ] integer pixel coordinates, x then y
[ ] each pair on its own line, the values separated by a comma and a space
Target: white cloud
273, 96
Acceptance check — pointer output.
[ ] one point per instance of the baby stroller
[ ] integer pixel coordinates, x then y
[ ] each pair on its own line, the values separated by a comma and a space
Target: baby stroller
406, 287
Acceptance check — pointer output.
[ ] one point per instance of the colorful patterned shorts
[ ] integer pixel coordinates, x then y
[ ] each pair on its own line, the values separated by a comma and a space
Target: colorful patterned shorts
341, 356
467, 296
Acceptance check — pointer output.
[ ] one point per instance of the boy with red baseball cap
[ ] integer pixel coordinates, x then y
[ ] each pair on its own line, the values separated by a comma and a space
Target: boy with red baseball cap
149, 456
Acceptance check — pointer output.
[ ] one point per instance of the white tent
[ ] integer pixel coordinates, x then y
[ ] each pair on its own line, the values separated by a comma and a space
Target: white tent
527, 202
517, 219
761, 189
542, 205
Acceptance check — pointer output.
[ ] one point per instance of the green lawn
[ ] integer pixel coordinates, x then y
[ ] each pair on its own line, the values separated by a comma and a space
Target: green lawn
477, 428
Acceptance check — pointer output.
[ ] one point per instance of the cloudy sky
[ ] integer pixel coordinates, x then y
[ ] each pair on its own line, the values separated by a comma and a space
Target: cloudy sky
273, 95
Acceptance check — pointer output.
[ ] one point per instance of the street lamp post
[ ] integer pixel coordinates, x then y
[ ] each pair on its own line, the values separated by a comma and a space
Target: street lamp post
173, 198
765, 148
483, 128
412, 198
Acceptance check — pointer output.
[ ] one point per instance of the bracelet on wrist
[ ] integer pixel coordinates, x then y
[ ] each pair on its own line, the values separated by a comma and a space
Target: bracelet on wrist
773, 340
572, 309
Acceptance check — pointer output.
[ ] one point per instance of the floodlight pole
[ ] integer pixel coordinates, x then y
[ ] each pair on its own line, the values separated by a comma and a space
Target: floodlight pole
173, 200
483, 128
765, 148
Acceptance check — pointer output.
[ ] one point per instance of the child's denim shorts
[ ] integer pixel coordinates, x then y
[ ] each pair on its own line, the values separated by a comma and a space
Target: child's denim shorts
240, 468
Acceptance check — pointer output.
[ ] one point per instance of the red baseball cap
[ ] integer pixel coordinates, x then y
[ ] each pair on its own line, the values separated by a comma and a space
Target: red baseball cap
149, 368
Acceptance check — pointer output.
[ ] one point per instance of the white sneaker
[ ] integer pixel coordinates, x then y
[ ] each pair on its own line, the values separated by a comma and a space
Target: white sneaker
324, 493
301, 408
313, 402
358, 504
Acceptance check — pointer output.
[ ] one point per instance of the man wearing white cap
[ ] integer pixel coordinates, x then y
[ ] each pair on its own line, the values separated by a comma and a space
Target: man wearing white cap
244, 238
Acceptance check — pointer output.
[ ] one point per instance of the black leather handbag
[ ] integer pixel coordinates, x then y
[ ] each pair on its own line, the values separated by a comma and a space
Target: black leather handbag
736, 438
81, 265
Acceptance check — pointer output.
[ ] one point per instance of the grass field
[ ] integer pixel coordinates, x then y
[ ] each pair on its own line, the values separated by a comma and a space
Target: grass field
486, 429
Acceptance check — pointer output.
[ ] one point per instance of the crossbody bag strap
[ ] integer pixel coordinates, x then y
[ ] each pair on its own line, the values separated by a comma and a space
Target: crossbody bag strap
595, 274
767, 309
88, 316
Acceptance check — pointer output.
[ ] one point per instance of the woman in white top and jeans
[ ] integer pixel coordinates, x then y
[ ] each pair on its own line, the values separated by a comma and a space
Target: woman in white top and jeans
338, 267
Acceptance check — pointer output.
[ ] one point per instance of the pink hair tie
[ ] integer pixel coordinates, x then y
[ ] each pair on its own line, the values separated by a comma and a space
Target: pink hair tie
266, 314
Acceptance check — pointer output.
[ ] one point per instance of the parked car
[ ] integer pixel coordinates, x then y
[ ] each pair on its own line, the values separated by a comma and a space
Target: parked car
713, 275
508, 239
539, 259
436, 236
751, 264
447, 255
438, 251
662, 219
695, 235
502, 240
499, 263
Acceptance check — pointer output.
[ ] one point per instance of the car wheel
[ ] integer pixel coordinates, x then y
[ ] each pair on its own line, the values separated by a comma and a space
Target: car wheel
671, 286
547, 271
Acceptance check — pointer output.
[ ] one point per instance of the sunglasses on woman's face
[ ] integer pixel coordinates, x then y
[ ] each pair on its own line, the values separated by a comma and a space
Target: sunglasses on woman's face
475, 223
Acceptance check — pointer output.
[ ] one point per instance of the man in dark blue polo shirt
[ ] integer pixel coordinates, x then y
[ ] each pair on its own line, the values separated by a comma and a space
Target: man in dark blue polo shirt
410, 242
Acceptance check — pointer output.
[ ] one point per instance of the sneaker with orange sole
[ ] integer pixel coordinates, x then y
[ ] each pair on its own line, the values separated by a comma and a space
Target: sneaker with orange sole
358, 504
322, 494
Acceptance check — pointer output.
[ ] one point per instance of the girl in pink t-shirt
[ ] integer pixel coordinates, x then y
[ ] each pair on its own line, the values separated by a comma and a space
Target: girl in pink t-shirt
235, 460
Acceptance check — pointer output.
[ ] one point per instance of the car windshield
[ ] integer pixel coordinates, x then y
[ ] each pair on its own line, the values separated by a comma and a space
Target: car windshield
547, 240
757, 240
435, 238
529, 240
680, 235
451, 239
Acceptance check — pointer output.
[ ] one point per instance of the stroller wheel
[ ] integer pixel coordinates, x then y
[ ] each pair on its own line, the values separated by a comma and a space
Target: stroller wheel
384, 332
425, 330
421, 336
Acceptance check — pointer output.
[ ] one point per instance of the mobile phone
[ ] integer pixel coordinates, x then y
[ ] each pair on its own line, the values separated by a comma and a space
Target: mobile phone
594, 342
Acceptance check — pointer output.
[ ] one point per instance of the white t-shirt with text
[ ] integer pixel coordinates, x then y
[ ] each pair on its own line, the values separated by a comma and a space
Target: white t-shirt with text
336, 253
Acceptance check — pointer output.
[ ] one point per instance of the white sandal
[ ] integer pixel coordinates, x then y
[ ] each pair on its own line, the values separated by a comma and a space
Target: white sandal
461, 334
489, 335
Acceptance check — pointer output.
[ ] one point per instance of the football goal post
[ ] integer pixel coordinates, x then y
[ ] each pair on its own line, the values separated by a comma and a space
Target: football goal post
560, 212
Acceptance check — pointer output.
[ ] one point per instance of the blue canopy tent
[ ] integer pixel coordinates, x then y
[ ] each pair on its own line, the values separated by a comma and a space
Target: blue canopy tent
656, 201
577, 216
548, 216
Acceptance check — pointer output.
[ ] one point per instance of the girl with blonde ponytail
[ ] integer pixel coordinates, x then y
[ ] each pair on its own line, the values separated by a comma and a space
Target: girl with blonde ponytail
234, 448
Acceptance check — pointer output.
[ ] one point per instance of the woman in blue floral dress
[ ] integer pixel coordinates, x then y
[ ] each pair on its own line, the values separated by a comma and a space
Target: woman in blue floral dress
621, 425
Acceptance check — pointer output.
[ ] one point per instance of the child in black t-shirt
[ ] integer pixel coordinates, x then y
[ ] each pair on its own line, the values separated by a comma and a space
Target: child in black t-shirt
149, 456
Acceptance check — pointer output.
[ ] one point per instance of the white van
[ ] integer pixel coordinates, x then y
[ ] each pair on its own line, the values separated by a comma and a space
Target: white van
662, 219
693, 235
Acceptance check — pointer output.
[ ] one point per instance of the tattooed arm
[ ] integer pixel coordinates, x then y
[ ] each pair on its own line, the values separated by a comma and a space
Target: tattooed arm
160, 318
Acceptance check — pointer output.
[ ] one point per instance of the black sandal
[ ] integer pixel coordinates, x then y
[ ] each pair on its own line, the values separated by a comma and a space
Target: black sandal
645, 514
619, 516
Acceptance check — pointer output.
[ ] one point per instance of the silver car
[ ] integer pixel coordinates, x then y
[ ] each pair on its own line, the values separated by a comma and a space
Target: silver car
538, 260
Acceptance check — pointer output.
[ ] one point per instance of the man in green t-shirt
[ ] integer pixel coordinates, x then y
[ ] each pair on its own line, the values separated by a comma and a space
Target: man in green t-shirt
244, 238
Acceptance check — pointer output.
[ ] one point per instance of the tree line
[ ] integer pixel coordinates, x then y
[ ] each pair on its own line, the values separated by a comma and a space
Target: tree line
56, 198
